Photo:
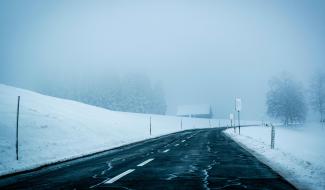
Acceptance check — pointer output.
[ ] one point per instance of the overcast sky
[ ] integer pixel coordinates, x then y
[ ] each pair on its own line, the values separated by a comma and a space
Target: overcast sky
202, 51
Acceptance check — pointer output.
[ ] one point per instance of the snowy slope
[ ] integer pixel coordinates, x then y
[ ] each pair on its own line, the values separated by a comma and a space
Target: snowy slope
53, 129
299, 153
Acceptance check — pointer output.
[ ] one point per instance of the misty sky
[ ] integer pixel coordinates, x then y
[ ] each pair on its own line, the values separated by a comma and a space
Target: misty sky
202, 51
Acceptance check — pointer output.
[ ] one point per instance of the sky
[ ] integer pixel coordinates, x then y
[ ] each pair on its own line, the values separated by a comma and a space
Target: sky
202, 51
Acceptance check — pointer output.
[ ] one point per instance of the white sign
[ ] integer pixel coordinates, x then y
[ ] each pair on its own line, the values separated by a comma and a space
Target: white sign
238, 104
231, 116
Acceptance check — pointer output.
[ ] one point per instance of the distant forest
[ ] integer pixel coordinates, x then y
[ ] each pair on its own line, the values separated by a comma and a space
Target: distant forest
129, 93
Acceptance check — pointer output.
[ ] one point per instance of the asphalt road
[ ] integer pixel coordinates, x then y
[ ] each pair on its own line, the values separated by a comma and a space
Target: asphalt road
195, 159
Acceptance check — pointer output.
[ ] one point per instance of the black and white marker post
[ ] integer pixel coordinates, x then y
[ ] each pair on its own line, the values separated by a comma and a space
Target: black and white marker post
238, 109
17, 124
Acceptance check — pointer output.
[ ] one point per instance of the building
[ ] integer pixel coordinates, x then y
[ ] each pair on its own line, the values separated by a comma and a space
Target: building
198, 111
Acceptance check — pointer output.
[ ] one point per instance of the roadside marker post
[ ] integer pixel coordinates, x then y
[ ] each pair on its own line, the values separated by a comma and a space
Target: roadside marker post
181, 124
238, 108
272, 136
17, 132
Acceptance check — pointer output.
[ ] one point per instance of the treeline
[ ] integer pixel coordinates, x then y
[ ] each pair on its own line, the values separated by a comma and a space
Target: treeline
129, 93
288, 100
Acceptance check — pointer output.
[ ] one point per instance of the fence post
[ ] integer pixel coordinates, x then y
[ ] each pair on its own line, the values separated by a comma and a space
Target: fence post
17, 124
181, 123
272, 136
210, 123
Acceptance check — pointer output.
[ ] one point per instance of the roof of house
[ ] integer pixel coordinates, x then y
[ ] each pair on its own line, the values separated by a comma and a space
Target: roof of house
198, 109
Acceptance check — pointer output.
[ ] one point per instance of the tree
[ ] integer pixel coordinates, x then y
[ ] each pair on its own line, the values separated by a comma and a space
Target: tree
317, 94
130, 93
285, 100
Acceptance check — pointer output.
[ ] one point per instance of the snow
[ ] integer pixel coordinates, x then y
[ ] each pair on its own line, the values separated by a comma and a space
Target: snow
299, 153
53, 129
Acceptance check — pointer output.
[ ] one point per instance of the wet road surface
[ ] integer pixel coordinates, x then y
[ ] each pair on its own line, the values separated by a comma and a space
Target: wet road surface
194, 159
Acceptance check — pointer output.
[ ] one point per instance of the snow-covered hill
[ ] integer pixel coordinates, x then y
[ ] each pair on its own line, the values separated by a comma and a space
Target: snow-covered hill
53, 129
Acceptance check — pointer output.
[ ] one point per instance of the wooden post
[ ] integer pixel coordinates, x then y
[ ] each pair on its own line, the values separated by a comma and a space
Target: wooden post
17, 134
181, 123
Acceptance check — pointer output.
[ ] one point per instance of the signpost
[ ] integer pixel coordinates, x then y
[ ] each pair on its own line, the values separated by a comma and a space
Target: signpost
238, 108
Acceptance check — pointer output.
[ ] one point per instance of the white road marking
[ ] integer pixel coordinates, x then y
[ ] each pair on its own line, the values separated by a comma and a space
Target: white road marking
165, 150
145, 162
119, 176
183, 141
176, 144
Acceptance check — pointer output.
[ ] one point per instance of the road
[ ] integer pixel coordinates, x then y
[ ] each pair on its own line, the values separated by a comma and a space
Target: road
194, 159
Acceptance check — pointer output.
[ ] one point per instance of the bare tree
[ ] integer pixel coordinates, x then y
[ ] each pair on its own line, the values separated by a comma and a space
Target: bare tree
317, 94
285, 100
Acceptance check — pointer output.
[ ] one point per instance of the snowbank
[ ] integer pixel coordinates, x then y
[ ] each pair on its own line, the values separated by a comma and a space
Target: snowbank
299, 153
53, 129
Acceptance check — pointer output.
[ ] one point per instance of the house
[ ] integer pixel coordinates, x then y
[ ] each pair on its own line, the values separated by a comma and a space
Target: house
198, 111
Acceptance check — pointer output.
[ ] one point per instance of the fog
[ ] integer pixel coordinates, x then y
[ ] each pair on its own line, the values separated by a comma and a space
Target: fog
202, 51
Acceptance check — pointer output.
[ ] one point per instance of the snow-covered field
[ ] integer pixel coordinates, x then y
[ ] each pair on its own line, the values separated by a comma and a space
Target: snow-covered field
299, 153
53, 129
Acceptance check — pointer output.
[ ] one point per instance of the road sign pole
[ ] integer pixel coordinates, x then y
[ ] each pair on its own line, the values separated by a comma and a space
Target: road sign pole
17, 124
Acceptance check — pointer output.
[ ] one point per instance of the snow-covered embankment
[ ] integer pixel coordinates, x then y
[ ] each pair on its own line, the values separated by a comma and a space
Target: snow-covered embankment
299, 153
